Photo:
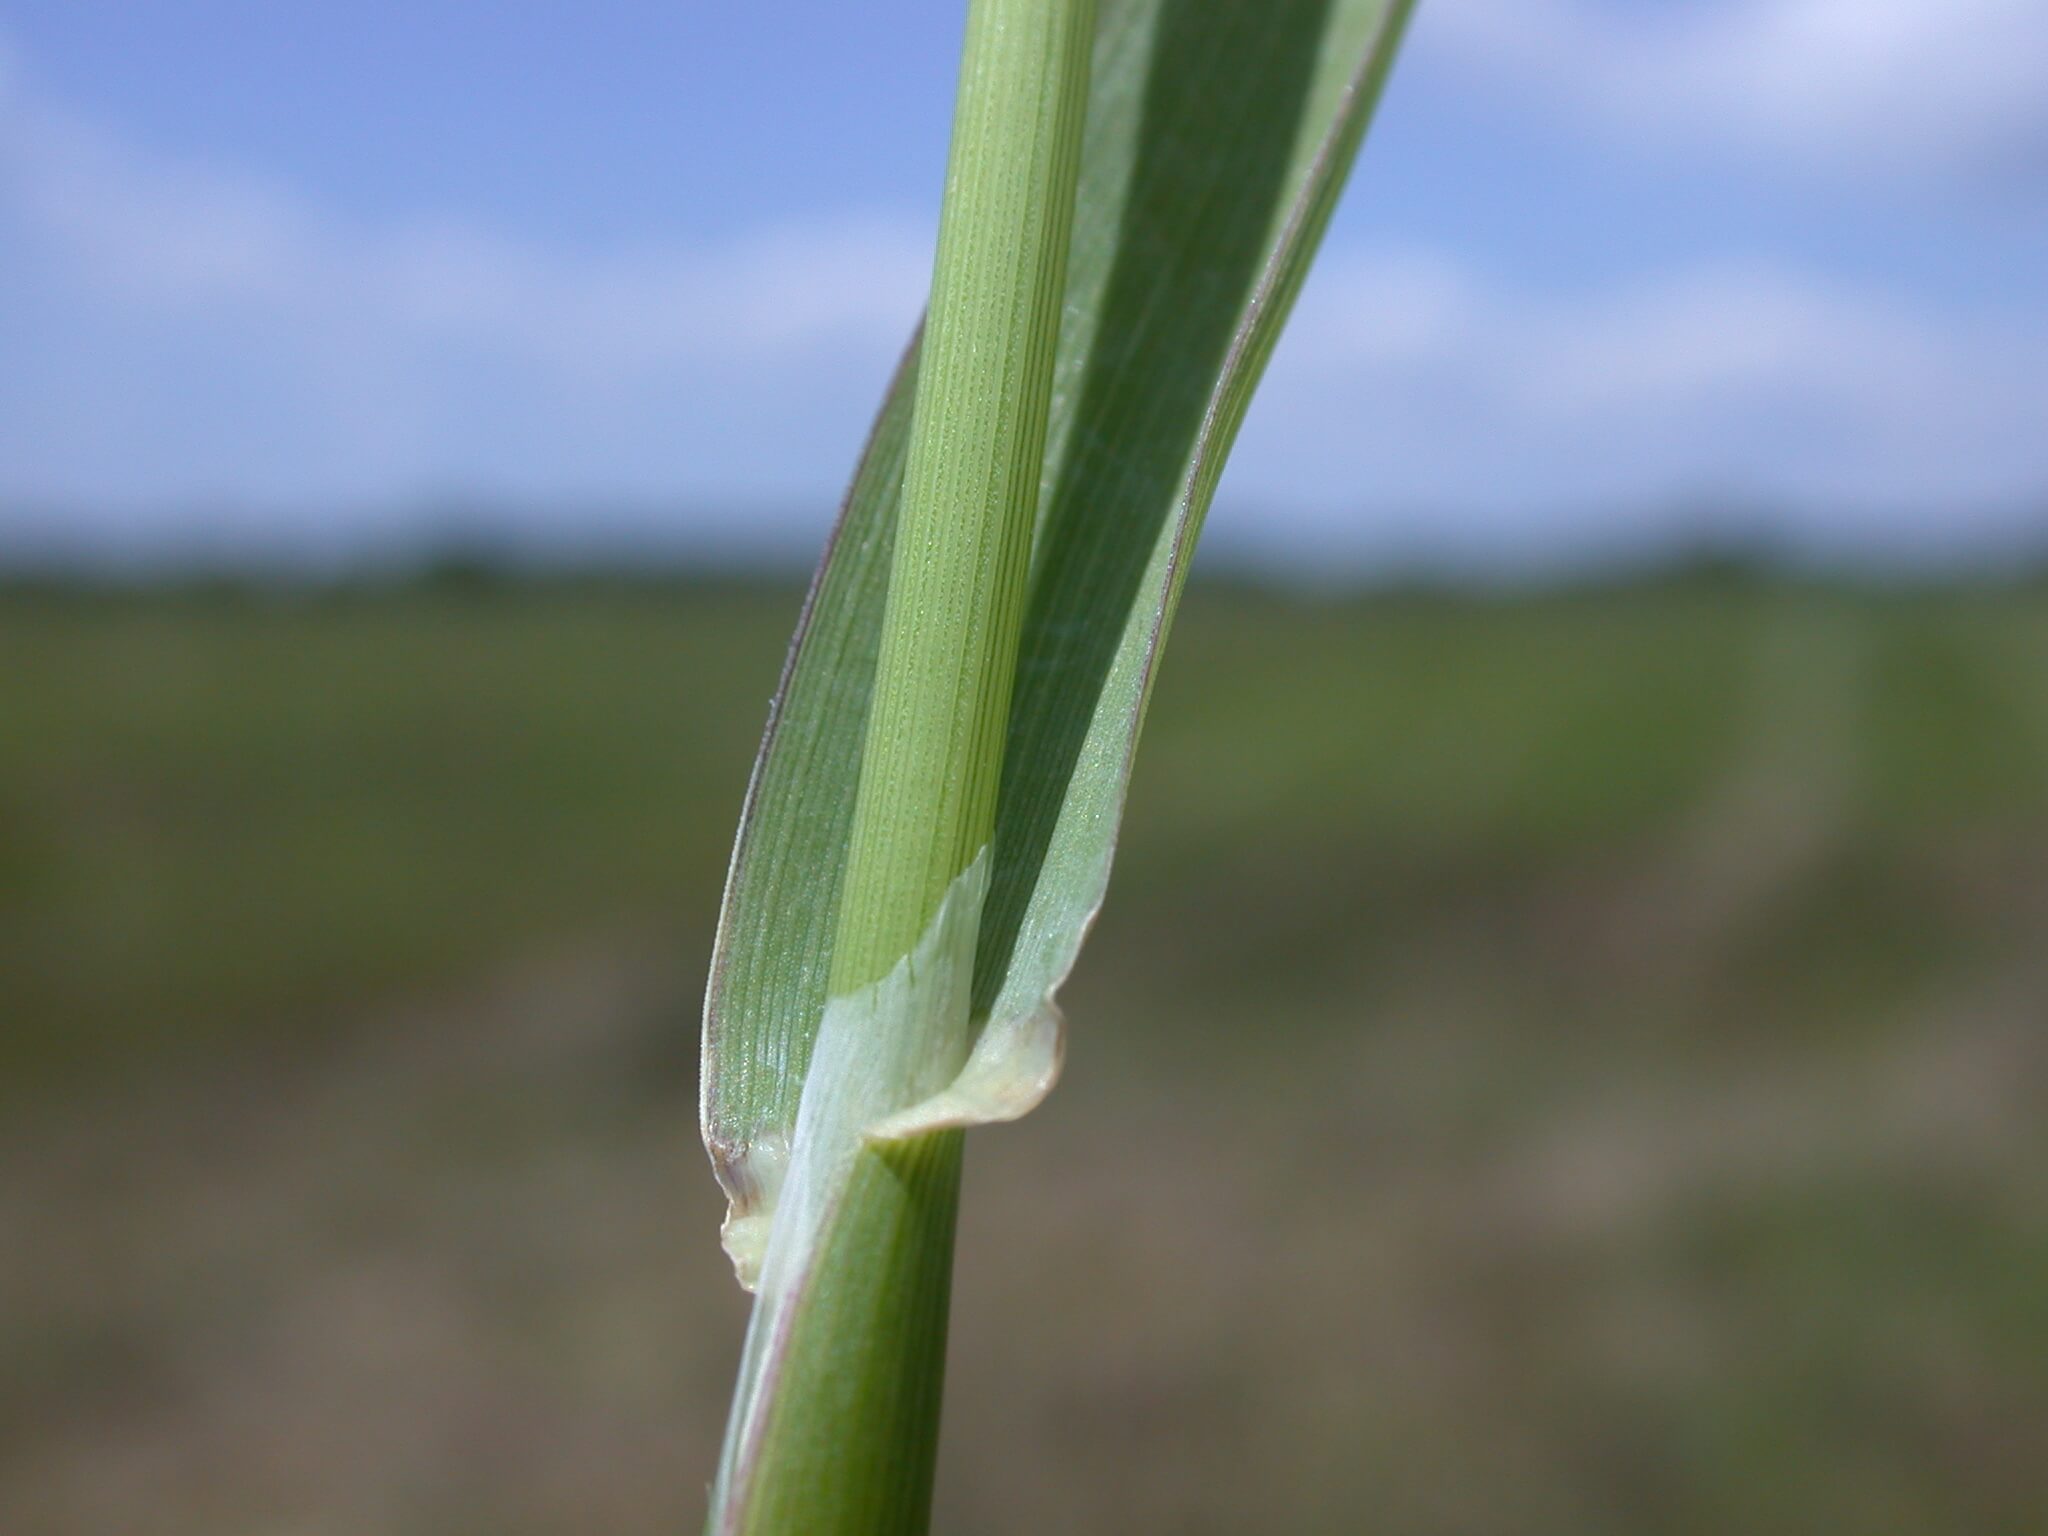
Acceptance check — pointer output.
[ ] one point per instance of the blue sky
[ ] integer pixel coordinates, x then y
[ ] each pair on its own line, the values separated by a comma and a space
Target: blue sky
1612, 275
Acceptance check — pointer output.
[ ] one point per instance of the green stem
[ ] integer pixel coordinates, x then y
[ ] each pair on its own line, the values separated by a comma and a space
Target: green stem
835, 1420
970, 484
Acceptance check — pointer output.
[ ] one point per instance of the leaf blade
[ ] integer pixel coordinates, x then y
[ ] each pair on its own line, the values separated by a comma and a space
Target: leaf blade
1218, 138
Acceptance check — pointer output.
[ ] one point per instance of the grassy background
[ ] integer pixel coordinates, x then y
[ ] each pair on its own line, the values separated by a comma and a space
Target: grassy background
1550, 1064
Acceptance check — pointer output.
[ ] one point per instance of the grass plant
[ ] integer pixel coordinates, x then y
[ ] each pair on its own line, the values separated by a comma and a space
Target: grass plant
1131, 203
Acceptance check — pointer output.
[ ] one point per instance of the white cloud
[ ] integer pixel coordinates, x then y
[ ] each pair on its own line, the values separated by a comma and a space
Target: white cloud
1674, 347
190, 334
1438, 390
1875, 86
155, 231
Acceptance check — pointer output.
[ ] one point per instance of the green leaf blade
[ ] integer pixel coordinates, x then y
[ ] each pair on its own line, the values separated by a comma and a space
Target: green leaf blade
772, 957
1218, 138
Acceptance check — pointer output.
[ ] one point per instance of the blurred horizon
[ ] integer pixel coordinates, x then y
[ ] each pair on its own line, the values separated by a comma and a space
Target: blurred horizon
515, 543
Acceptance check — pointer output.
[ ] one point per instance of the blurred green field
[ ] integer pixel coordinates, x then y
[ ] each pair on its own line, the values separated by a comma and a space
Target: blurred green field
1564, 1063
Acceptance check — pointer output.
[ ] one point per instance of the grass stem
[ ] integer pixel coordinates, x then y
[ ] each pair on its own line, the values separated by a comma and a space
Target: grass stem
835, 1422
